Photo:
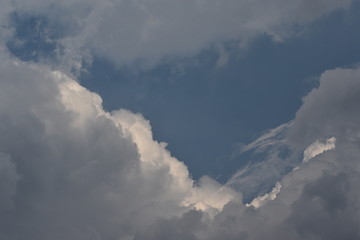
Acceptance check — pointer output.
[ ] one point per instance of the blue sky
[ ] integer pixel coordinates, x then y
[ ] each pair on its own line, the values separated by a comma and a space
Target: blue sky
204, 112
201, 119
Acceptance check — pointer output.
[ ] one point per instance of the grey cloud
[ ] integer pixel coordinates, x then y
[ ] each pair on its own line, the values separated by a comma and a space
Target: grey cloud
319, 199
8, 180
326, 210
329, 110
71, 180
186, 227
147, 32
325, 207
70, 170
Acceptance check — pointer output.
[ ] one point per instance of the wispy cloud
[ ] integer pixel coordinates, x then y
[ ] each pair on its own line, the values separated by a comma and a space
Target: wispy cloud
271, 137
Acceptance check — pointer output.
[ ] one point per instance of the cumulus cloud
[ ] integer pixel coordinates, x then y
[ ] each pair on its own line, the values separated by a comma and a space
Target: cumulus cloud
71, 170
321, 199
146, 32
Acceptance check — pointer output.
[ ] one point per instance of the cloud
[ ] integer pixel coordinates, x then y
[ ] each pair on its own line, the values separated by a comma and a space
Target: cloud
317, 148
223, 58
186, 227
272, 137
321, 199
147, 32
329, 210
314, 198
269, 159
261, 200
8, 181
71, 170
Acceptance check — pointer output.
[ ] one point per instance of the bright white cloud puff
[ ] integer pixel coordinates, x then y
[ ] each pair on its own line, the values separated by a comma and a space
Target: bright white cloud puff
77, 171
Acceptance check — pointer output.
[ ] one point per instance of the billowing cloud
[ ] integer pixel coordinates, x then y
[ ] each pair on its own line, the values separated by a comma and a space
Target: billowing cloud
320, 200
71, 170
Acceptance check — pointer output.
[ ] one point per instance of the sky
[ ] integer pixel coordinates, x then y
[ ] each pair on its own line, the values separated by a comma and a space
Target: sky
201, 119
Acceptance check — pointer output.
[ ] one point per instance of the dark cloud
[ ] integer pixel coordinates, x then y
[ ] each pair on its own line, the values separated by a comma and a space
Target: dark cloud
8, 181
186, 227
326, 210
320, 198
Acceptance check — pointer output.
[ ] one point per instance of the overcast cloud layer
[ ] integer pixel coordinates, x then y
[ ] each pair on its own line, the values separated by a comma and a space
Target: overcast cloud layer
71, 170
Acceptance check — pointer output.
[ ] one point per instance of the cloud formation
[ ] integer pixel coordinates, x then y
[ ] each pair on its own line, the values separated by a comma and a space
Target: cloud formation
146, 32
71, 170
320, 200
317, 148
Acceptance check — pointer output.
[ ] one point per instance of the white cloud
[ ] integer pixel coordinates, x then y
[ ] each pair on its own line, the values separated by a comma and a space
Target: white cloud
272, 137
317, 148
211, 196
261, 200
82, 173
318, 201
